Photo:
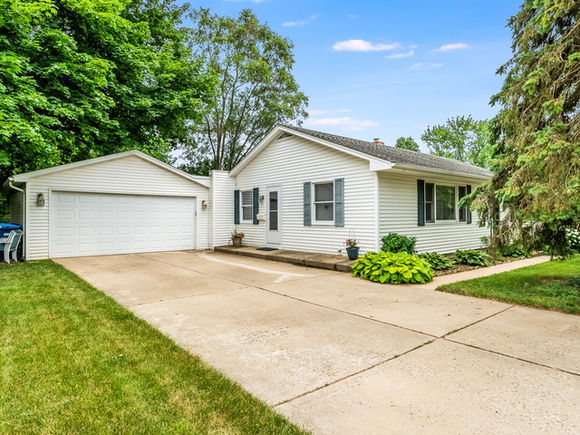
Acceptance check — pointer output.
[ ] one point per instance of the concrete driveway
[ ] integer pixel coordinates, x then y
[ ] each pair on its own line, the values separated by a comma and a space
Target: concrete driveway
341, 355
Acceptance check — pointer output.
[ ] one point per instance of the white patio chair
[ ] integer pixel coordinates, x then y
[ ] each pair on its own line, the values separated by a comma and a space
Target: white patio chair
10, 245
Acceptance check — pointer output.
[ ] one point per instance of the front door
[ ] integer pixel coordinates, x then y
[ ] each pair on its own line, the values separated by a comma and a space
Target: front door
274, 236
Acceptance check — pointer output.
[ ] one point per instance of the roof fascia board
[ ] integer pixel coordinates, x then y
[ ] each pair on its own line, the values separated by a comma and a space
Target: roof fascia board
421, 169
263, 144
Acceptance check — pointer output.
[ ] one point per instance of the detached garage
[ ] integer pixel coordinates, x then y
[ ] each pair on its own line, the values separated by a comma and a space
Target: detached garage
118, 204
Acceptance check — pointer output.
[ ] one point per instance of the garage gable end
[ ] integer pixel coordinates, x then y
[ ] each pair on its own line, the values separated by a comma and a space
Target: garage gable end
130, 174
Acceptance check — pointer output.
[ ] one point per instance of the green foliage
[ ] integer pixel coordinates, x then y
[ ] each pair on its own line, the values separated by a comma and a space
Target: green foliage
407, 143
398, 243
461, 138
390, 267
256, 88
574, 240
472, 257
514, 250
437, 261
80, 79
574, 282
537, 129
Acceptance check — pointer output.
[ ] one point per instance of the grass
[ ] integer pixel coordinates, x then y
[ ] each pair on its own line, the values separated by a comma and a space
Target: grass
545, 285
72, 360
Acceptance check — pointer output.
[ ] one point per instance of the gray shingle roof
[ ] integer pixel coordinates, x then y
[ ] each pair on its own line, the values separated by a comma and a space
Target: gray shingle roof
397, 155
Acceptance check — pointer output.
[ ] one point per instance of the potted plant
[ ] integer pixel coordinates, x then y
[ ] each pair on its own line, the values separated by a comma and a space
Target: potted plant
352, 248
237, 237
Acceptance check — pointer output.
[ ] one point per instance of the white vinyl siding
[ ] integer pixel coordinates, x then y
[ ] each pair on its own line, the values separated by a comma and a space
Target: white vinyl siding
398, 214
16, 203
289, 163
221, 208
126, 175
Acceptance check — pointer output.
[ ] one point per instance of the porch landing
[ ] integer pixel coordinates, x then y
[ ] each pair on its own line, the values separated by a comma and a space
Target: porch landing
309, 259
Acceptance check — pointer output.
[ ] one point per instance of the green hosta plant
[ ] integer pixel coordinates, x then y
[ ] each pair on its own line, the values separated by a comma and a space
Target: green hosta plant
390, 267
472, 258
398, 243
437, 261
515, 250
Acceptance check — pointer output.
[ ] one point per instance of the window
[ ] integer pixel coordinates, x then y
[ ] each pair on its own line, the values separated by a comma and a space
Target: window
247, 205
273, 196
429, 196
463, 210
445, 202
324, 202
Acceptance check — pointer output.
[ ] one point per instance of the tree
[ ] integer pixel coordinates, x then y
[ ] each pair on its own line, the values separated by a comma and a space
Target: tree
255, 91
537, 176
461, 138
407, 143
84, 79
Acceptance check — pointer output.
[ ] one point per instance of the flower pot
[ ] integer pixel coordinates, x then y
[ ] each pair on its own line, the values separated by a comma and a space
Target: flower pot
352, 253
237, 241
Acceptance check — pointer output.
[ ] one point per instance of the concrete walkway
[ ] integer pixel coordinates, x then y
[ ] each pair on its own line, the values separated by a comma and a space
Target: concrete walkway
337, 354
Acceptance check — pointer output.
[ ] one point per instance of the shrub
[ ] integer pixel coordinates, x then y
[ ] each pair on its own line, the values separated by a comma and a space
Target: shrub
398, 243
574, 282
472, 257
391, 267
437, 261
516, 251
574, 240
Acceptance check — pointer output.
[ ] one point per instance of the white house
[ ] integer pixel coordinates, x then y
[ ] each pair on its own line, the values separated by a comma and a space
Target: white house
298, 189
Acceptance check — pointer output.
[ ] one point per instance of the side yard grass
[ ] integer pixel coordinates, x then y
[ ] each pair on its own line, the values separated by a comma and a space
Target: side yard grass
548, 285
72, 360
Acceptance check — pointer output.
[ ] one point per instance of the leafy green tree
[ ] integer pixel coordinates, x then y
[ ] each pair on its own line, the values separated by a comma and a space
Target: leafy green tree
256, 88
407, 143
461, 138
537, 177
80, 79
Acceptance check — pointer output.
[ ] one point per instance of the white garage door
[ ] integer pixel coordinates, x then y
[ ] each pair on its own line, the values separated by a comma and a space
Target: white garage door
101, 224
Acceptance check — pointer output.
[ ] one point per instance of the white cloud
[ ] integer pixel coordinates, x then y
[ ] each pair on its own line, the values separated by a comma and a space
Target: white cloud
327, 112
362, 45
301, 22
401, 55
455, 46
343, 123
421, 65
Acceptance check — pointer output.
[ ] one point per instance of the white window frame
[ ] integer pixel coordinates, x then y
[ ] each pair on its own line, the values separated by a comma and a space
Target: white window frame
313, 203
242, 220
444, 221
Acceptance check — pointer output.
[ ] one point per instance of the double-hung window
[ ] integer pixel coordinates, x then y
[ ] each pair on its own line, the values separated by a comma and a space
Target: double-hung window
445, 202
429, 202
462, 210
246, 205
323, 204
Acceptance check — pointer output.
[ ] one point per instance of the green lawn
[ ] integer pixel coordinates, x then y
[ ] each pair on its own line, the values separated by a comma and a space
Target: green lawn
545, 285
72, 360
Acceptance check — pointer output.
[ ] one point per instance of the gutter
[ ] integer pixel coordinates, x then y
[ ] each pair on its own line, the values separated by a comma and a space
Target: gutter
12, 186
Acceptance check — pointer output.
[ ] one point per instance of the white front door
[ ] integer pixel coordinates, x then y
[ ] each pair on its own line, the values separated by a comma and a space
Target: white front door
274, 237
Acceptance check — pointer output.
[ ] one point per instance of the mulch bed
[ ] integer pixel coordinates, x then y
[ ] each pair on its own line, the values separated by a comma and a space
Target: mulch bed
465, 267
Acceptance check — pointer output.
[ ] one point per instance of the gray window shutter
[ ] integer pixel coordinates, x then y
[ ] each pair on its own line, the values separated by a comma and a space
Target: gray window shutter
339, 202
256, 206
236, 207
421, 203
307, 204
468, 191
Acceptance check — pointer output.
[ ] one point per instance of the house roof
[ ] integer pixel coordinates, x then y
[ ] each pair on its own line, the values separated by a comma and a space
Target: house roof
24, 177
399, 157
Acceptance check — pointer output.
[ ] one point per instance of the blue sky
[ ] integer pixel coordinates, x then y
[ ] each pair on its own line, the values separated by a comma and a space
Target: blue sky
389, 68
